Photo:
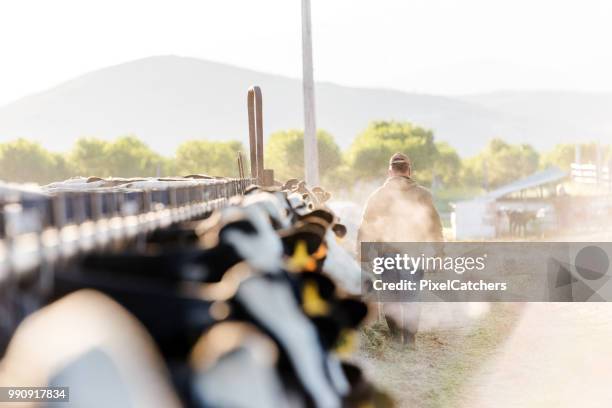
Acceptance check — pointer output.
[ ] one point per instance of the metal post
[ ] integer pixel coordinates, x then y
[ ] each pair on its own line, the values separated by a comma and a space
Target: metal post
252, 131
260, 145
240, 166
311, 153
268, 178
255, 107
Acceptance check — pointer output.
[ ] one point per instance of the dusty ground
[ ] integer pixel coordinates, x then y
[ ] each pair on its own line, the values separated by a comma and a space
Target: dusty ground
437, 372
530, 355
558, 355
519, 355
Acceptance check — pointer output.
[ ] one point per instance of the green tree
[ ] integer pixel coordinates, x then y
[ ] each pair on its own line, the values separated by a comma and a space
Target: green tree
447, 165
369, 154
89, 157
285, 154
25, 161
500, 163
209, 157
563, 155
128, 156
588, 152
62, 168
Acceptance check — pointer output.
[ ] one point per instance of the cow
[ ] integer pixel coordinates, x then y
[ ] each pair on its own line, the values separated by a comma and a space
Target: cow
518, 221
265, 271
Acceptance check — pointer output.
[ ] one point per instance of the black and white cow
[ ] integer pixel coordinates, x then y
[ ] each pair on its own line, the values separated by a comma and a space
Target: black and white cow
259, 297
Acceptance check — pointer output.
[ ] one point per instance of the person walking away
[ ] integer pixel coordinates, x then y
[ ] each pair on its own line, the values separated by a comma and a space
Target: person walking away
400, 211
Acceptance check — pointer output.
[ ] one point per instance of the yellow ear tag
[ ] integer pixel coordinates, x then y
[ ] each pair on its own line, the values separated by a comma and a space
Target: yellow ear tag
311, 265
347, 342
301, 260
320, 253
312, 303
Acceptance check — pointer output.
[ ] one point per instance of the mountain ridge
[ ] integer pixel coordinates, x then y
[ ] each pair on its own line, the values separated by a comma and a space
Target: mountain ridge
167, 99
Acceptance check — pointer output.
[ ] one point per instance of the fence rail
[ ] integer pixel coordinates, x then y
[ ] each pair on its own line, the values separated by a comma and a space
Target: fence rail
591, 173
38, 227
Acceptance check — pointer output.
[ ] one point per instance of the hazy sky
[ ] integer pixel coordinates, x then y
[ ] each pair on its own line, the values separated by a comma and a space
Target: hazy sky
434, 46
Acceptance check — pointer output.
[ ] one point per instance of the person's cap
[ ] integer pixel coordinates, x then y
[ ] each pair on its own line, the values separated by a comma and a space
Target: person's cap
399, 158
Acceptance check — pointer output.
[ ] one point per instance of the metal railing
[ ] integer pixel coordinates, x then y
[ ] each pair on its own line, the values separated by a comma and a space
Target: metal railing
38, 228
591, 173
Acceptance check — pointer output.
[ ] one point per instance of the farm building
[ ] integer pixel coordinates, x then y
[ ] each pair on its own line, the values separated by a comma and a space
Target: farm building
517, 204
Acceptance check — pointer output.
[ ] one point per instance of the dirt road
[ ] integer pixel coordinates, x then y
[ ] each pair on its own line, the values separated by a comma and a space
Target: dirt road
558, 355
448, 353
517, 356
520, 356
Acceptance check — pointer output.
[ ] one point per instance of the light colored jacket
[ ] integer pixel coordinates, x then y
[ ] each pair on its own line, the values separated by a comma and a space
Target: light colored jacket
400, 211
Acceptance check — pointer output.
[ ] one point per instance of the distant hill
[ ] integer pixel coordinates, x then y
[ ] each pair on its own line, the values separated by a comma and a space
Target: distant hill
552, 116
167, 99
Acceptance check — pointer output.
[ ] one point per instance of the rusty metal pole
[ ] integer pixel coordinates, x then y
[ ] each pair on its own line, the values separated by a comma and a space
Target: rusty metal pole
255, 107
240, 166
260, 145
268, 177
252, 131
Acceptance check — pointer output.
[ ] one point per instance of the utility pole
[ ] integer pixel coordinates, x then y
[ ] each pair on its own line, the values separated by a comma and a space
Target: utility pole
311, 151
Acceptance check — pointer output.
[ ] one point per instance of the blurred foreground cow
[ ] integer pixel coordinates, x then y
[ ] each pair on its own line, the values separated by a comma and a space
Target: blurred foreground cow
251, 306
